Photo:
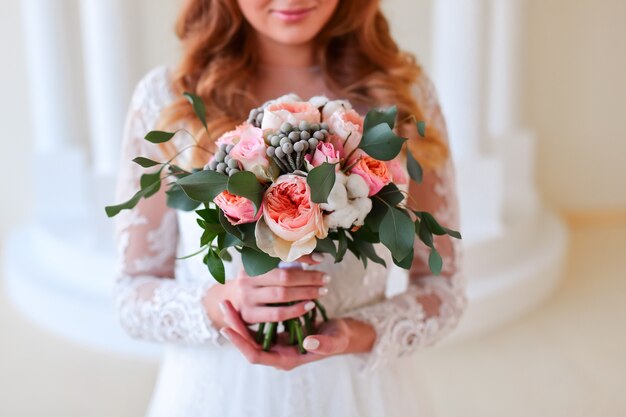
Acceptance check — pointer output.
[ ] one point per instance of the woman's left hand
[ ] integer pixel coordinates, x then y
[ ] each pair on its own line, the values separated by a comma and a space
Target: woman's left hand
336, 337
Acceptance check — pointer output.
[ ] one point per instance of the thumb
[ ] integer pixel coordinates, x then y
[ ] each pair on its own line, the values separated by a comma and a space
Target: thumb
324, 345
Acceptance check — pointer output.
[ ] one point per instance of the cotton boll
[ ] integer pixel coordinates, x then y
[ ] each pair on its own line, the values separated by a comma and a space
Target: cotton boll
333, 106
283, 99
318, 101
344, 217
338, 197
363, 206
357, 187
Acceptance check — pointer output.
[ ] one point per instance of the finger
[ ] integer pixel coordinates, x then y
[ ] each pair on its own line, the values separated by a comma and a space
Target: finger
233, 319
256, 356
291, 278
325, 345
267, 295
312, 259
262, 314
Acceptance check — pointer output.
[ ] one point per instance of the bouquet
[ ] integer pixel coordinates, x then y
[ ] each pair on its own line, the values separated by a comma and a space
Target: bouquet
298, 177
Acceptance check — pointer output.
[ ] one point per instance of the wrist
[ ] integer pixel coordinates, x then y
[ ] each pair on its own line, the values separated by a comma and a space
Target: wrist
212, 298
361, 336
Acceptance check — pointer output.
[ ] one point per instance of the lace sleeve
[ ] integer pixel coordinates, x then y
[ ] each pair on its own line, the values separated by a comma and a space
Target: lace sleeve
150, 303
432, 305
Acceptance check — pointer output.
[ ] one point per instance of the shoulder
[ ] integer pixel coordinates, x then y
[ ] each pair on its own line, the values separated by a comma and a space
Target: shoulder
154, 91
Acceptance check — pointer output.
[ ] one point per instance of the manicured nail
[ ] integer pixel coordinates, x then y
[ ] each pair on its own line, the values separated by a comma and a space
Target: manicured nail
223, 333
311, 343
317, 257
222, 307
323, 291
309, 306
327, 278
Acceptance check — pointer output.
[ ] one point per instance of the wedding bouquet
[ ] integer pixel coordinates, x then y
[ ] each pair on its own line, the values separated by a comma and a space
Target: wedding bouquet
298, 177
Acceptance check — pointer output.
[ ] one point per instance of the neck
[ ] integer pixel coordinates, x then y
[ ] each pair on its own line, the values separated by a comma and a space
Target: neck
273, 53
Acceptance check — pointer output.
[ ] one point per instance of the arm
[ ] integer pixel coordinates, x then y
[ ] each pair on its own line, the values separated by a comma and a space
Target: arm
432, 305
150, 303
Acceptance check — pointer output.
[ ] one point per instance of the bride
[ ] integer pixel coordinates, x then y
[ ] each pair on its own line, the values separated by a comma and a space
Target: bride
237, 54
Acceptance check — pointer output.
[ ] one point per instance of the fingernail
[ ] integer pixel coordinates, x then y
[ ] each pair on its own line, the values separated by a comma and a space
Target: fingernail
323, 291
222, 307
223, 333
311, 343
309, 306
317, 257
327, 278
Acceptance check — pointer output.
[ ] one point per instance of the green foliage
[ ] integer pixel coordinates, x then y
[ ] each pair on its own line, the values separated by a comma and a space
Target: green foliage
245, 184
391, 195
421, 129
377, 116
414, 168
321, 181
381, 143
198, 107
216, 266
342, 245
177, 199
396, 233
256, 262
435, 262
203, 186
145, 162
326, 246
157, 136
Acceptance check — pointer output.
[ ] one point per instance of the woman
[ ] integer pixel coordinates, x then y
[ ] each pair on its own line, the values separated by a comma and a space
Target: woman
238, 54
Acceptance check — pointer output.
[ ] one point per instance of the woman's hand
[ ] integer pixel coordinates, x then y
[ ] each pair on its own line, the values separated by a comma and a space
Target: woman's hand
251, 295
336, 337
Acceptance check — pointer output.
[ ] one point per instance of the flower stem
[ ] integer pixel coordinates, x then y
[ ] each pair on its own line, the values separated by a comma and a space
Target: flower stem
269, 336
299, 335
308, 323
259, 333
322, 310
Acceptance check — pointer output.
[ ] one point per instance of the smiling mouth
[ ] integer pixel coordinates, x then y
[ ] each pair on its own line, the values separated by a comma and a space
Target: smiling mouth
293, 15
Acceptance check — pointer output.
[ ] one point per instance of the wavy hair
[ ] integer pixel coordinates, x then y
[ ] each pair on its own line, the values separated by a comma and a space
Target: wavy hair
359, 61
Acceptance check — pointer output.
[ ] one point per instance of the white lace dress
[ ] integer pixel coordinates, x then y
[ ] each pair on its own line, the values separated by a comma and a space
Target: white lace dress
159, 298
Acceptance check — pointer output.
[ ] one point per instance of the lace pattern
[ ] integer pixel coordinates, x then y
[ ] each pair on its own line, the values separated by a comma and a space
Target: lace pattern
150, 303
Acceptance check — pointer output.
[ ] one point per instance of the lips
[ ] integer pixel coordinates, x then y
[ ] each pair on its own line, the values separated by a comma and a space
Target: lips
292, 15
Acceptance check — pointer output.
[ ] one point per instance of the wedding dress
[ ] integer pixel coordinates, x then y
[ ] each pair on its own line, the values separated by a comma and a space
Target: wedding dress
158, 298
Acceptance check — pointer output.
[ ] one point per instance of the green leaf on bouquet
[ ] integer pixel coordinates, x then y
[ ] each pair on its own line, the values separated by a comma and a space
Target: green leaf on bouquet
321, 181
381, 143
342, 245
113, 211
152, 182
366, 234
145, 162
421, 129
228, 227
177, 199
248, 235
414, 168
216, 266
396, 233
367, 249
203, 186
245, 184
406, 262
198, 107
256, 262
225, 255
435, 263
436, 228
424, 234
157, 136
207, 237
375, 216
377, 116
391, 194
226, 240
209, 215
326, 246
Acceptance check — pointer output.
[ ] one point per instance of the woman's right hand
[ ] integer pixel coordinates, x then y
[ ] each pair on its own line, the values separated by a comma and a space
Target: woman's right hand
251, 296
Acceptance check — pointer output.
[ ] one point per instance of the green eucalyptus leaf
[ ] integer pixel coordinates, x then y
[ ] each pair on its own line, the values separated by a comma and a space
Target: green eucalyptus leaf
145, 162
225, 255
432, 224
391, 194
375, 216
207, 237
256, 262
177, 199
406, 262
230, 229
396, 233
381, 143
210, 215
203, 186
245, 184
377, 116
114, 210
414, 168
453, 233
425, 235
369, 251
157, 136
321, 181
342, 245
248, 236
151, 182
216, 266
326, 246
366, 234
198, 107
421, 129
435, 262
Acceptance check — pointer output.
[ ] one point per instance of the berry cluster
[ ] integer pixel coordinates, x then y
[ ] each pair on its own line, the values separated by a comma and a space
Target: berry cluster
256, 117
222, 162
288, 146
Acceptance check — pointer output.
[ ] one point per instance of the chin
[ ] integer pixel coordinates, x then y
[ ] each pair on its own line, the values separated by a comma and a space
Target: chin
295, 35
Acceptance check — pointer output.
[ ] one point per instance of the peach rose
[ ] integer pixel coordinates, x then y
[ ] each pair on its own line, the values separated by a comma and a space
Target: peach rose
399, 174
374, 172
347, 130
291, 222
249, 149
238, 210
292, 112
325, 152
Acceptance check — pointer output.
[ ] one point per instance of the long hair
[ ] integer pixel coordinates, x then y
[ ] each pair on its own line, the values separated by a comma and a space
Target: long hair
359, 61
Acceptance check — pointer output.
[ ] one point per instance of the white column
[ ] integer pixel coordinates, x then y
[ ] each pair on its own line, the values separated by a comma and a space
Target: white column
108, 64
457, 71
51, 74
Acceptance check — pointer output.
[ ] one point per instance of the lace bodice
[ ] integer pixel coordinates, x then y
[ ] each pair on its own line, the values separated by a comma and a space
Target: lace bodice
160, 298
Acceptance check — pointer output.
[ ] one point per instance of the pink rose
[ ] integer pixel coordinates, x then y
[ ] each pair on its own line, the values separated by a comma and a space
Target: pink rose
398, 172
325, 152
238, 210
347, 130
291, 222
292, 112
229, 137
250, 148
374, 172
